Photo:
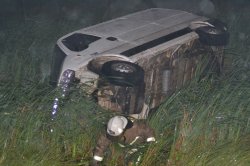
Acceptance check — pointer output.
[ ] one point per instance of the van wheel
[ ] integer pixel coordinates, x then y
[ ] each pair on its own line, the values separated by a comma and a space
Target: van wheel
123, 73
215, 35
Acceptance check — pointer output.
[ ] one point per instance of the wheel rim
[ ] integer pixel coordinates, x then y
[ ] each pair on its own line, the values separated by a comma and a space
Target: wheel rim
123, 68
213, 31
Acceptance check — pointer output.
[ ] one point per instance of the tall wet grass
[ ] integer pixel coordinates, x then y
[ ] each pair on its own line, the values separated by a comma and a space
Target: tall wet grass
26, 127
206, 124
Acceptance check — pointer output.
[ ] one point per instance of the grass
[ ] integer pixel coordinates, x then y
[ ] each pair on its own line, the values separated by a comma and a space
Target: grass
205, 123
26, 126
211, 128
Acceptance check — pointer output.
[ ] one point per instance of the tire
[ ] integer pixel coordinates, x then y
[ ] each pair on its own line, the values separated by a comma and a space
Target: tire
123, 73
213, 36
95, 65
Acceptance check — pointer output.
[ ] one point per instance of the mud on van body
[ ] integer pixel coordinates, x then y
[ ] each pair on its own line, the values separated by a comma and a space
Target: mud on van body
138, 60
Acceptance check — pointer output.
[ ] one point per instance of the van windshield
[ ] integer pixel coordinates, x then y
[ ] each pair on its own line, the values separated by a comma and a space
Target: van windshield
78, 41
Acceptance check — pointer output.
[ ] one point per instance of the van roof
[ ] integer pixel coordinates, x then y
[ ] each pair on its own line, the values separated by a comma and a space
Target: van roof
142, 23
130, 31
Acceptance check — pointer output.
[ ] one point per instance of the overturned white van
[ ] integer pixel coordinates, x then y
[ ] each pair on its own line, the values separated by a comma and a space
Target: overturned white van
140, 59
